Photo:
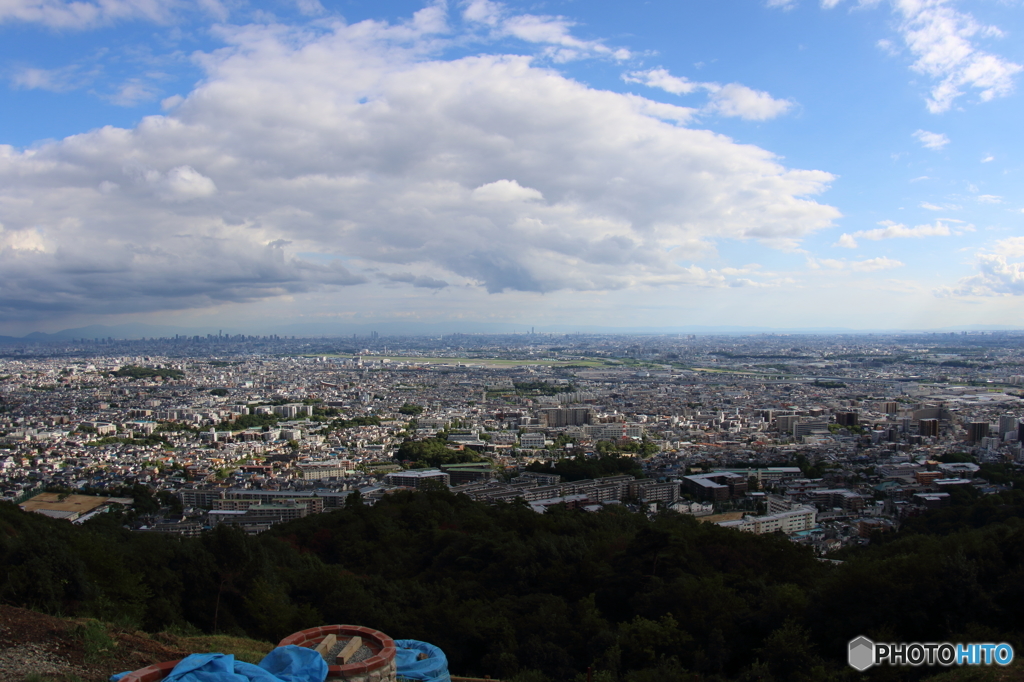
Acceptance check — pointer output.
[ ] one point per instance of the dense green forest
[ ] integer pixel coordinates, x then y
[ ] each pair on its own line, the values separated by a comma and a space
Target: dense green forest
580, 468
517, 595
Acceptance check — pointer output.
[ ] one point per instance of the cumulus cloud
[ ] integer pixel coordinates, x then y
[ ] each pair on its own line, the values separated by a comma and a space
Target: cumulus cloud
183, 183
355, 143
181, 271
996, 276
890, 230
753, 105
931, 140
997, 273
944, 43
732, 99
846, 241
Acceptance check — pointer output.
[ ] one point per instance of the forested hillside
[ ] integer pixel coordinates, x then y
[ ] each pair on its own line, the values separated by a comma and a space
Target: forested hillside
517, 595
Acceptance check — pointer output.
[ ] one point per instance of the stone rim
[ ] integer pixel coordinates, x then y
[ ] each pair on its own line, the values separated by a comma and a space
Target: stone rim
373, 638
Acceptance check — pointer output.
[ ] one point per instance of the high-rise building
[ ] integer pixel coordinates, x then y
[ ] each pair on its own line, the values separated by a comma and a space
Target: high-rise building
976, 431
847, 418
1007, 424
567, 416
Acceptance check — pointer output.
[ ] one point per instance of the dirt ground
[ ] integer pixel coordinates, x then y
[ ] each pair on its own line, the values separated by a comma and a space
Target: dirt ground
40, 647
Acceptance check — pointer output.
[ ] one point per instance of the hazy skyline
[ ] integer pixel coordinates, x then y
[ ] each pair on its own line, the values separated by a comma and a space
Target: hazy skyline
785, 164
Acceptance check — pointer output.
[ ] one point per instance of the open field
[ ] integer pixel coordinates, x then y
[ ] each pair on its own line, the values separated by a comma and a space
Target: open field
718, 518
68, 503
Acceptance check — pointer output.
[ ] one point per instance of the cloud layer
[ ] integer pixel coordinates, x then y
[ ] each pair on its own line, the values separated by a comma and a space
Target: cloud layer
997, 272
311, 159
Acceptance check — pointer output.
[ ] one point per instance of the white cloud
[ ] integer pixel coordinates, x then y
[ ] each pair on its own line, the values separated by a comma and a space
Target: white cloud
185, 182
666, 112
931, 140
662, 79
891, 230
846, 241
942, 42
484, 12
867, 265
937, 207
133, 92
732, 99
352, 143
875, 264
990, 199
81, 14
988, 158
310, 8
506, 190
29, 239
753, 105
541, 29
53, 80
996, 274
1011, 247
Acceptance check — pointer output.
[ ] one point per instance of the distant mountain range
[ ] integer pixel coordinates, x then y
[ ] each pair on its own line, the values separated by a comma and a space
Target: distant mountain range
313, 330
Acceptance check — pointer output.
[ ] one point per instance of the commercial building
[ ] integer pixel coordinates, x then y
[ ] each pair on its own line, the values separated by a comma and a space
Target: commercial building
788, 522
418, 478
716, 487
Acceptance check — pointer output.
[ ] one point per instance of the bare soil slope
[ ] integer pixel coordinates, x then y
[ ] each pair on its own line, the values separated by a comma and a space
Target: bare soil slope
35, 647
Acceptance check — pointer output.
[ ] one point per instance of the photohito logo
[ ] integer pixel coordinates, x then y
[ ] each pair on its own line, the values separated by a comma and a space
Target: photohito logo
863, 653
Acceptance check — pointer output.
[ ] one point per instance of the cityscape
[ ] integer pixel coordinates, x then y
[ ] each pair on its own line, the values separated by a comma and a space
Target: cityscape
511, 340
829, 439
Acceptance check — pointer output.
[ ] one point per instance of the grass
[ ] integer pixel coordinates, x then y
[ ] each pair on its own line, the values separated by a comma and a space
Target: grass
96, 641
243, 649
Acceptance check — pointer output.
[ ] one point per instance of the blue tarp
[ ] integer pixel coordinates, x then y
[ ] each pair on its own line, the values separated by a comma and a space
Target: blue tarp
434, 668
283, 664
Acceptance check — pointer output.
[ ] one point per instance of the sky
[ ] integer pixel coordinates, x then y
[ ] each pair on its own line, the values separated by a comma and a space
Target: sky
562, 164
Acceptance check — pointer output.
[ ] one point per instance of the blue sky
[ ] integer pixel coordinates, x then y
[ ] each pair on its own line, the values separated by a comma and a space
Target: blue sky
800, 163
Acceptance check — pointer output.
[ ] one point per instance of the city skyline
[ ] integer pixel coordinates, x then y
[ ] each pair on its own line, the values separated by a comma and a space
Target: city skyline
776, 165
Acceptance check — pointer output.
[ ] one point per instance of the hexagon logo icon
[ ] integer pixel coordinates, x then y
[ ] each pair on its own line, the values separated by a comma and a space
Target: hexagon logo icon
862, 653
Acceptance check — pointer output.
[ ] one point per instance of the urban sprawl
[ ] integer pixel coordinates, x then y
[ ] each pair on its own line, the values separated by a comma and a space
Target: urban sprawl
829, 439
